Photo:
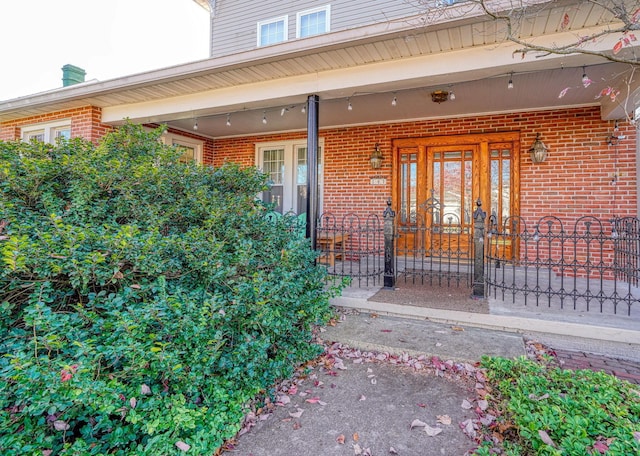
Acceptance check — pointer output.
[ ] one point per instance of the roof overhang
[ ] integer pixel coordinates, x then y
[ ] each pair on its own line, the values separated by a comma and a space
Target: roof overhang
365, 64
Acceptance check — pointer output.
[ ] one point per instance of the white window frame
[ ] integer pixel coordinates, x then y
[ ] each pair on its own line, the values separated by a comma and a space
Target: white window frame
49, 130
284, 19
326, 9
290, 178
173, 139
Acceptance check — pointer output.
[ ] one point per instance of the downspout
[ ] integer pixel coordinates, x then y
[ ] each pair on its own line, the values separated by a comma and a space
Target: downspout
212, 14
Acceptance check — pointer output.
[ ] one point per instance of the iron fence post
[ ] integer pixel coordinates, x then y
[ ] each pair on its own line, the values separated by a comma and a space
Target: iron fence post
478, 250
389, 247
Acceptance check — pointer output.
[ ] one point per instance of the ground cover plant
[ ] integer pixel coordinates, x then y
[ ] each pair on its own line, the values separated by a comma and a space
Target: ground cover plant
544, 410
143, 301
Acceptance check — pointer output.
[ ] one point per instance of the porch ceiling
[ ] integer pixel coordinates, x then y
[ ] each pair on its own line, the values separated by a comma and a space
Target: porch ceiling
356, 63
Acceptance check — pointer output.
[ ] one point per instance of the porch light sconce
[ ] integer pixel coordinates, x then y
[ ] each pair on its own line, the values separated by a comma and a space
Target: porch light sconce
376, 157
439, 96
538, 150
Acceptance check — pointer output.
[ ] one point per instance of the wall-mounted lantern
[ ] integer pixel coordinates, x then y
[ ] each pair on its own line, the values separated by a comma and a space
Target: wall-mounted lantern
376, 157
538, 150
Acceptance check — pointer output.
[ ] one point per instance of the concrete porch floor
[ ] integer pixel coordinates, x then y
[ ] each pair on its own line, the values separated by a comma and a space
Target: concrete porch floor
608, 334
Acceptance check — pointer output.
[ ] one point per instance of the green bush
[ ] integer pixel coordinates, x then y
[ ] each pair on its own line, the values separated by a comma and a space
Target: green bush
564, 412
143, 301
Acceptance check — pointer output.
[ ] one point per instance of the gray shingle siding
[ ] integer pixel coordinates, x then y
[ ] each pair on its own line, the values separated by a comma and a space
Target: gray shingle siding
234, 24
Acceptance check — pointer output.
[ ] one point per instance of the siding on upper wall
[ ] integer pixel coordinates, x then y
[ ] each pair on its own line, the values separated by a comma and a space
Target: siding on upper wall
234, 25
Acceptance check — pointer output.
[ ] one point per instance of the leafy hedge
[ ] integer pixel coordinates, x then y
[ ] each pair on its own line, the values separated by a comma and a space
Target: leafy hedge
552, 412
143, 301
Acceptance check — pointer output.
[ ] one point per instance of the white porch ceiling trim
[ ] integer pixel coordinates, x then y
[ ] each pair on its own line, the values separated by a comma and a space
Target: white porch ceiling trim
424, 71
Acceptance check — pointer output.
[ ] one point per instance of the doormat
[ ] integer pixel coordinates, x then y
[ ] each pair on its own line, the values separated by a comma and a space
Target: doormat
432, 297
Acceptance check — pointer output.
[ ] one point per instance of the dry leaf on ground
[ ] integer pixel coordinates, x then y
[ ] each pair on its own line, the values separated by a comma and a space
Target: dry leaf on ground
417, 423
182, 446
546, 439
432, 431
297, 414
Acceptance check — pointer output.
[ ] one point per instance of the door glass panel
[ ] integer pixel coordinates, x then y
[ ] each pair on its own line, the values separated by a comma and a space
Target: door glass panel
273, 166
500, 184
301, 180
452, 196
466, 185
409, 188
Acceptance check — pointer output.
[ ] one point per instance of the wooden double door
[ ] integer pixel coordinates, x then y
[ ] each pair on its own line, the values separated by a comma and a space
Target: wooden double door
437, 181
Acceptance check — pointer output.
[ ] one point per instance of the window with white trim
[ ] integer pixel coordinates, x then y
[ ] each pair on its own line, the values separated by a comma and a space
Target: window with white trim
313, 22
273, 31
192, 147
286, 164
47, 132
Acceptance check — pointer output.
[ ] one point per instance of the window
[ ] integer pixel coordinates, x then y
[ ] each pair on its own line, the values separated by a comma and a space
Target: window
273, 31
47, 132
192, 147
312, 22
286, 164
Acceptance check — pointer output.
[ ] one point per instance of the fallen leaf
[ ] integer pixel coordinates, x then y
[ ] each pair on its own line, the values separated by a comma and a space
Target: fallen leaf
297, 414
313, 400
483, 405
636, 435
340, 439
457, 328
420, 404
392, 450
444, 419
47, 452
385, 330
466, 405
546, 439
283, 399
432, 431
182, 446
356, 437
60, 425
133, 402
135, 286
145, 390
417, 423
357, 450
362, 397
468, 428
293, 390
296, 426
565, 21
538, 398
601, 447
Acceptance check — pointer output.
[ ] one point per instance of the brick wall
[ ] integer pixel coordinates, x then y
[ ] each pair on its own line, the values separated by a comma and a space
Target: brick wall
86, 122
575, 180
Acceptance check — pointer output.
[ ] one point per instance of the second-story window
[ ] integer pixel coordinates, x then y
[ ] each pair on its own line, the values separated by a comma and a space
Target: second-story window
313, 22
272, 31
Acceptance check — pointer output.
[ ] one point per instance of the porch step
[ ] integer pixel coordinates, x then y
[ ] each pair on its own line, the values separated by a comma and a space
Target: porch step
605, 340
373, 332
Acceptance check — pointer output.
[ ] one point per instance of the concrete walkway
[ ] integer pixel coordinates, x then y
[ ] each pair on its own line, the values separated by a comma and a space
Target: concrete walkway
391, 364
377, 379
